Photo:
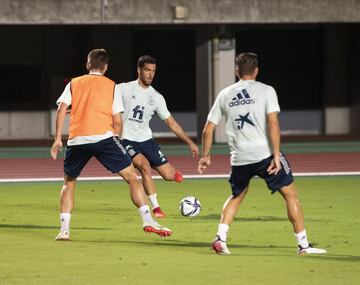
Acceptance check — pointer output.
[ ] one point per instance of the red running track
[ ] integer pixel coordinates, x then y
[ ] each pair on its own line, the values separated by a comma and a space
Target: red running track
15, 168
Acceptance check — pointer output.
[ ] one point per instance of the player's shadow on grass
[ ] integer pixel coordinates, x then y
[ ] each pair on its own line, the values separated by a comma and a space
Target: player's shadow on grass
182, 243
245, 219
40, 227
255, 219
337, 257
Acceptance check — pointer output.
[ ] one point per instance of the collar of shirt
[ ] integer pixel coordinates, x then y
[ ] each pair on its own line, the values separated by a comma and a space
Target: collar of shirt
95, 73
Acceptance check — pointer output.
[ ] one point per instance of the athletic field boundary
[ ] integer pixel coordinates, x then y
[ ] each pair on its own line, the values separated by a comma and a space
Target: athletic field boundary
195, 176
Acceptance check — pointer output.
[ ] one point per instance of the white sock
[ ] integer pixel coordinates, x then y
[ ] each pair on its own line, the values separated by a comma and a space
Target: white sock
222, 231
301, 239
144, 212
154, 201
65, 222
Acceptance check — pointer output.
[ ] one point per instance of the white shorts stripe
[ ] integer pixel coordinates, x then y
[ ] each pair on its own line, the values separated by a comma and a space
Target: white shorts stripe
119, 145
285, 164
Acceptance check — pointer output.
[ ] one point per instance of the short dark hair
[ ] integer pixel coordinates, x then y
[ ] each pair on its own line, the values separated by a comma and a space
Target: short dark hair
246, 63
145, 59
97, 59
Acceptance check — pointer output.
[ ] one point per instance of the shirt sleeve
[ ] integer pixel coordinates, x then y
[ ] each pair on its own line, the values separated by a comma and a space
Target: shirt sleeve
215, 113
162, 110
65, 97
272, 104
118, 104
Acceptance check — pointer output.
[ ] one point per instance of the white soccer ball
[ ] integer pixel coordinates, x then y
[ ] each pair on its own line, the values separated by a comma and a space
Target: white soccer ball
190, 206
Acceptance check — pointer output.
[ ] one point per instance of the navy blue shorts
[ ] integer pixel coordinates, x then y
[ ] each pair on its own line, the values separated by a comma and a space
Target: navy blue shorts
150, 149
109, 152
241, 175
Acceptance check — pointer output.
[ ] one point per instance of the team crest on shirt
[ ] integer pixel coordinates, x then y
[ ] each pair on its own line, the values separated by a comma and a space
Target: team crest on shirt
242, 119
151, 101
133, 97
138, 113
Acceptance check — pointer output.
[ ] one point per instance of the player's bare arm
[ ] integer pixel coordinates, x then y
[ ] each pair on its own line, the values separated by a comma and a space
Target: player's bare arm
60, 118
179, 131
274, 135
118, 124
207, 140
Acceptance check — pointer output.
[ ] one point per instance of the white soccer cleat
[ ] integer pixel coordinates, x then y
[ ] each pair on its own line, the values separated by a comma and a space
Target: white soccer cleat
156, 228
310, 250
220, 246
63, 236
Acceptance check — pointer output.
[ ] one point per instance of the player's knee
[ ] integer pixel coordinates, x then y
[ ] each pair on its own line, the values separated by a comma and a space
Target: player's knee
145, 170
69, 179
128, 174
289, 192
131, 181
292, 197
130, 178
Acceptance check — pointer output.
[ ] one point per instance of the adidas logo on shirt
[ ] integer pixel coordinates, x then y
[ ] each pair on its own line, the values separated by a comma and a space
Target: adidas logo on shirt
242, 98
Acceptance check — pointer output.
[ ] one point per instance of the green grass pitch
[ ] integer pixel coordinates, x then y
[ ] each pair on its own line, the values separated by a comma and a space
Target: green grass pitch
109, 247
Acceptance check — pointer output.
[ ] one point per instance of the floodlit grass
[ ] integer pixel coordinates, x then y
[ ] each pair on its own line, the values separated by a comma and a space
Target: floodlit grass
109, 247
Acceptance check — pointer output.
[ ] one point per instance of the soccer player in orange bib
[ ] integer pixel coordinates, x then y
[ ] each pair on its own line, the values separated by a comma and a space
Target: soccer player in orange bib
95, 120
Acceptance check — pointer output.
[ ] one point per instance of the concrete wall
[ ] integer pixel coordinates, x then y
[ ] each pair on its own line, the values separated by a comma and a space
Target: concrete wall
41, 125
301, 122
187, 120
223, 75
162, 11
355, 82
24, 125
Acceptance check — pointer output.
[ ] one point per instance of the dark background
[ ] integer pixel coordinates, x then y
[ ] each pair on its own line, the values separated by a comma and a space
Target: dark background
37, 61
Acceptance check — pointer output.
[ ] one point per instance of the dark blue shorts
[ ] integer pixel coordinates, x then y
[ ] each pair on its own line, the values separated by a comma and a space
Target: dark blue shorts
241, 175
150, 149
109, 152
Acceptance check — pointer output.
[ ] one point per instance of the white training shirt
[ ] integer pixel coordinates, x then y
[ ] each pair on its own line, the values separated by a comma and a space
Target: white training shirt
245, 106
140, 104
117, 107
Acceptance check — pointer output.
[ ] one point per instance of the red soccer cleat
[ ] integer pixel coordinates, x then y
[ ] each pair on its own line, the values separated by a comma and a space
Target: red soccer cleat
178, 176
158, 213
219, 246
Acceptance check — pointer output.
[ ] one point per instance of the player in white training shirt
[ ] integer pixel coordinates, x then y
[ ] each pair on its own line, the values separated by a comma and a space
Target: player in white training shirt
94, 121
141, 101
252, 128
